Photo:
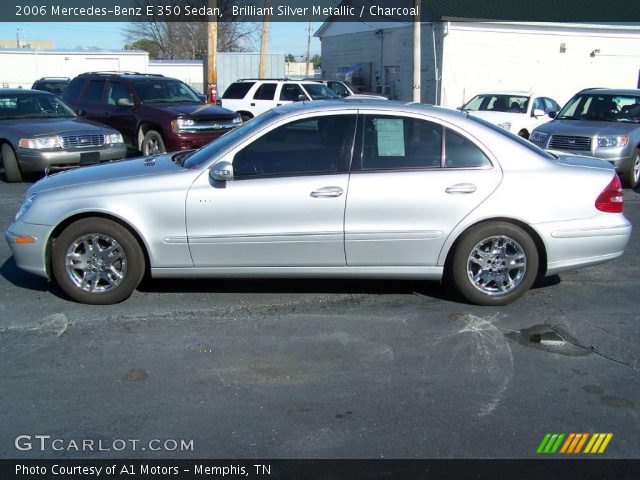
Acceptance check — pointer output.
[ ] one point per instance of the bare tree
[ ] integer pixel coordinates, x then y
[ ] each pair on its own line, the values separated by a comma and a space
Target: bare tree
179, 39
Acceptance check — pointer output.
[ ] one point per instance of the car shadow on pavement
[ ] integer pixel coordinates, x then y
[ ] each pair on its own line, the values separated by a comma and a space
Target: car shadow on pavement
19, 278
269, 285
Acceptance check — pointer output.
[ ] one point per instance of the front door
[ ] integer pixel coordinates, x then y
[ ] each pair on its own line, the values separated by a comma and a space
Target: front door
285, 205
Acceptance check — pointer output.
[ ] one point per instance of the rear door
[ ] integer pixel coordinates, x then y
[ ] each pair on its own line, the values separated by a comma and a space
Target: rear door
413, 180
264, 98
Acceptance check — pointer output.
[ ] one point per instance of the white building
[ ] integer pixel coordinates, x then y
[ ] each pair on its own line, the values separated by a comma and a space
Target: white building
463, 58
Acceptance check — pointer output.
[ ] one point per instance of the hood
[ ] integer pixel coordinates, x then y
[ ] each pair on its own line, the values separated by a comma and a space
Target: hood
105, 172
52, 126
586, 128
197, 111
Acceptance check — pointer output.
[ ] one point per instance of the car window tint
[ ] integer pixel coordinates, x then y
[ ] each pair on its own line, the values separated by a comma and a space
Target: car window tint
94, 91
117, 90
237, 90
460, 152
339, 88
397, 143
266, 91
551, 105
301, 147
538, 104
72, 92
290, 92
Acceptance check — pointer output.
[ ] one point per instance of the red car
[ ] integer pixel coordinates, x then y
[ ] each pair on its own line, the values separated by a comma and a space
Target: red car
154, 114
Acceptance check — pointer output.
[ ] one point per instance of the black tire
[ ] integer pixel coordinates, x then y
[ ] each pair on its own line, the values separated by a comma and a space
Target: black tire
10, 163
524, 134
152, 143
245, 117
126, 258
631, 178
489, 284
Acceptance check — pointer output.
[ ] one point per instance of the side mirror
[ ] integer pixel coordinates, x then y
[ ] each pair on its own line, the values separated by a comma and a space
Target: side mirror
538, 113
221, 171
553, 114
124, 102
302, 98
460, 108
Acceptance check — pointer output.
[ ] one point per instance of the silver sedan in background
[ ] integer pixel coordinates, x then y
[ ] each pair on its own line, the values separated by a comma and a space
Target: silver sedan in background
328, 189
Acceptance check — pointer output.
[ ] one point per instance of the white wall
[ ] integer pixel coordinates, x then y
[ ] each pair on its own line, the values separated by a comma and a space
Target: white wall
484, 57
21, 68
188, 72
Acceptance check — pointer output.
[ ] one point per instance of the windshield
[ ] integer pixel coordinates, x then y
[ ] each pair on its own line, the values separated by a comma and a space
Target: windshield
603, 108
210, 150
318, 91
24, 105
497, 103
164, 91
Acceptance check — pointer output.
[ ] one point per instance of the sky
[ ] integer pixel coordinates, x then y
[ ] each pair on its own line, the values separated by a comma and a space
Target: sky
284, 37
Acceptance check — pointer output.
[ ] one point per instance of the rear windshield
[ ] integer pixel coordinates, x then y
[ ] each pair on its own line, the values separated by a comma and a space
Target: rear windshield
237, 90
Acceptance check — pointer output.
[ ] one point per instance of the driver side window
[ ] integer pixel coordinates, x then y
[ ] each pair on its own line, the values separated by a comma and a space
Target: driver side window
304, 147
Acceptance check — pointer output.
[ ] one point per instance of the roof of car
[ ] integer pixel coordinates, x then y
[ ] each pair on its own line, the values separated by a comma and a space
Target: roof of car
369, 104
128, 75
611, 91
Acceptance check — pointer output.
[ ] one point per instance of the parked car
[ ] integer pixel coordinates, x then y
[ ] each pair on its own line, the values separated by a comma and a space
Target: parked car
251, 97
154, 113
55, 85
346, 89
601, 122
518, 112
38, 132
328, 189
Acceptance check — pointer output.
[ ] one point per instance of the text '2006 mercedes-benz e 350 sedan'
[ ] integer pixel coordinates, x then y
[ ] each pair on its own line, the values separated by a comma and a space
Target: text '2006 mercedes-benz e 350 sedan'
328, 189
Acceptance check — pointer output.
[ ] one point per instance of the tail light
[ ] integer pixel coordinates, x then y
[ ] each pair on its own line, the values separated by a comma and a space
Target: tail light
611, 199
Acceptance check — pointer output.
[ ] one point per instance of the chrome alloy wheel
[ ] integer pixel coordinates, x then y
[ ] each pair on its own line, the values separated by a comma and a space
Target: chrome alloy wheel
96, 263
497, 265
635, 169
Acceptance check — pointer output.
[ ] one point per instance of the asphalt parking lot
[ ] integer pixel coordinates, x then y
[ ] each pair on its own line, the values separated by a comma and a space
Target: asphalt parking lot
320, 369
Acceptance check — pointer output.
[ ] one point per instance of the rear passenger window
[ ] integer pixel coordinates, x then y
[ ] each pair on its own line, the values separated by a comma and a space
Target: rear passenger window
266, 91
237, 91
399, 143
462, 153
94, 91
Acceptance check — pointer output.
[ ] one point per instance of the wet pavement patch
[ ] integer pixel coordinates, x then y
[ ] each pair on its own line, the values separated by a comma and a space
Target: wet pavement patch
593, 389
549, 338
136, 375
617, 402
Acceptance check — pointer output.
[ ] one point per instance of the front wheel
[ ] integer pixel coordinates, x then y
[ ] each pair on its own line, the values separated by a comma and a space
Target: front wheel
10, 162
494, 263
152, 143
632, 177
97, 261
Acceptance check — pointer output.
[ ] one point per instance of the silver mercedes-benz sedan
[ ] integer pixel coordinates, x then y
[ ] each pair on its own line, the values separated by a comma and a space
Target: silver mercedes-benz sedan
328, 189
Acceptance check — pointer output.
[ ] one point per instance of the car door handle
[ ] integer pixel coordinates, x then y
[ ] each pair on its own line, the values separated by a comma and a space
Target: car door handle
327, 192
253, 104
461, 188
278, 104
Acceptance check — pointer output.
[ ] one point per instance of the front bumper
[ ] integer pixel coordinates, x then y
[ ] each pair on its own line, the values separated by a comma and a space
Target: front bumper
31, 254
621, 158
31, 160
191, 141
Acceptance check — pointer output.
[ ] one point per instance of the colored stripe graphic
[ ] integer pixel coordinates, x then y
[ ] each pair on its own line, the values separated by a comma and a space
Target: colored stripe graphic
574, 443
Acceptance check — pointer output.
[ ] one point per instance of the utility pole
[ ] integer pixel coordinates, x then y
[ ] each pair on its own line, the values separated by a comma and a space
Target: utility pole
308, 48
262, 69
212, 46
416, 53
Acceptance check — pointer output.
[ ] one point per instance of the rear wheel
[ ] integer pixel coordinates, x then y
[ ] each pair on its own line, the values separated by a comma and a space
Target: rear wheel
152, 143
97, 261
245, 116
10, 163
495, 263
632, 177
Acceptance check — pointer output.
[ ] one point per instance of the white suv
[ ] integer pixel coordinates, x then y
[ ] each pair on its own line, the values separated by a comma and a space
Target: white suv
251, 97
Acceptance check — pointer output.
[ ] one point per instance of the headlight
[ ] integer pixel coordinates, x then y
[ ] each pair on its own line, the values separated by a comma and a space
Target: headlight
26, 205
238, 119
179, 124
113, 138
41, 142
539, 137
613, 141
505, 125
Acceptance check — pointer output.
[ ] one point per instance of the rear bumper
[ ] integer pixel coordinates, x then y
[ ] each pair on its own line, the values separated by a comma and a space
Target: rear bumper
40, 160
574, 244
